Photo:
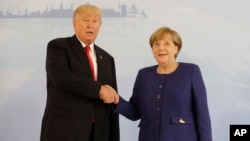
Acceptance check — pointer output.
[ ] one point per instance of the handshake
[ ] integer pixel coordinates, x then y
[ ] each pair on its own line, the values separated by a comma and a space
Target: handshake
108, 95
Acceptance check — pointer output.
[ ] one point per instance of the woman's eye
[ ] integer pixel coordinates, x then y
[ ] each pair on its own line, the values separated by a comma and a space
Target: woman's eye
166, 43
157, 44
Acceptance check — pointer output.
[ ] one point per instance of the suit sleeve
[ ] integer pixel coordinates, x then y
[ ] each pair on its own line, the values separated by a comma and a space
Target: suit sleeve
201, 106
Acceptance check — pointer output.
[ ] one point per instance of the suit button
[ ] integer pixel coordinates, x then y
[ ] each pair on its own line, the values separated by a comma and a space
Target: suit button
160, 86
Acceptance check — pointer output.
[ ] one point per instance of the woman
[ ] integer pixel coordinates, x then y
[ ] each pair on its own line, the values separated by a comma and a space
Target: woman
169, 98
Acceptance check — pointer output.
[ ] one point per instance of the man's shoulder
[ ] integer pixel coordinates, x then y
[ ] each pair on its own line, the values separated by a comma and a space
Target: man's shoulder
61, 39
64, 42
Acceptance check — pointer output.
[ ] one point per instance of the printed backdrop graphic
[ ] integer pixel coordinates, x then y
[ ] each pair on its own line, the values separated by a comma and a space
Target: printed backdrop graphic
215, 36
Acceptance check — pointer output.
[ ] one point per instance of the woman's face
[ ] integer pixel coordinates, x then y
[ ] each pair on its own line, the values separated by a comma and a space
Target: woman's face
164, 50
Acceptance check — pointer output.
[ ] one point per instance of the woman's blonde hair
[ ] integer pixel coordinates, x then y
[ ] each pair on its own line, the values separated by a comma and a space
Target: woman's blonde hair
162, 32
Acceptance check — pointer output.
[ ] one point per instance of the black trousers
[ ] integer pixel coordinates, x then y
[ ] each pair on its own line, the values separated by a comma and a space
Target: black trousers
92, 134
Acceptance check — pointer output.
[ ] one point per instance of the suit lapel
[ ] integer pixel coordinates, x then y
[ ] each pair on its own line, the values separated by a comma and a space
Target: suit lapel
80, 54
100, 61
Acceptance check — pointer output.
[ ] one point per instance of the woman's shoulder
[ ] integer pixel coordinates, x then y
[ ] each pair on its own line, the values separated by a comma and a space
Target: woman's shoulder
148, 68
188, 65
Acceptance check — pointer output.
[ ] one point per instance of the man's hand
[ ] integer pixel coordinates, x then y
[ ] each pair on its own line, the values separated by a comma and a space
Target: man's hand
108, 94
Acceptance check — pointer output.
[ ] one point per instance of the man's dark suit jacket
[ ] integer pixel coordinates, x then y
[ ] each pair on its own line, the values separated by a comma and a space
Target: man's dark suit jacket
72, 95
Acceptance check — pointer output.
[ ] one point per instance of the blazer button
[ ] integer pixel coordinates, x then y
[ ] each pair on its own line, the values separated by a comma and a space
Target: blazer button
158, 96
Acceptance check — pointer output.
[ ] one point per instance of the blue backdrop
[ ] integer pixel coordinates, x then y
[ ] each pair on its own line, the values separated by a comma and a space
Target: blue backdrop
215, 36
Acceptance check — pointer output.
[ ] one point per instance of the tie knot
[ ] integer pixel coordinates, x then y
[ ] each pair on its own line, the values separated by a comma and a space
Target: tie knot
87, 48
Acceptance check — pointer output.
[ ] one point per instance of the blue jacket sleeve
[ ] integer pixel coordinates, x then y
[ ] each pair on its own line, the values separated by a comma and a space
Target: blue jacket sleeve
201, 106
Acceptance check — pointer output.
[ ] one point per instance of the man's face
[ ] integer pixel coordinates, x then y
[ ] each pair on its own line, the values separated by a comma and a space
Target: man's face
87, 27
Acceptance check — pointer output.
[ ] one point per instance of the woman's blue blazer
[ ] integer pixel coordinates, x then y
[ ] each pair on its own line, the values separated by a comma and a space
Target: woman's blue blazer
171, 107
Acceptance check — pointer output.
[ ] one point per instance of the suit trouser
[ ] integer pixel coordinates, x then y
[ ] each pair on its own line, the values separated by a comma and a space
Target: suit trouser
91, 137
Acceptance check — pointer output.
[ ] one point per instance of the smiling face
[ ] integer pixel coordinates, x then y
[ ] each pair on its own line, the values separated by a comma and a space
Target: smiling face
87, 23
166, 44
164, 50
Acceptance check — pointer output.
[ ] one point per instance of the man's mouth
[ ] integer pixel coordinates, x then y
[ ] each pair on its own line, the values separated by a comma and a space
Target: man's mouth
90, 32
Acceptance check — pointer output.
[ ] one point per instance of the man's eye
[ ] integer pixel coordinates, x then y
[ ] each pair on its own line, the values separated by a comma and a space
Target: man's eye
95, 21
84, 20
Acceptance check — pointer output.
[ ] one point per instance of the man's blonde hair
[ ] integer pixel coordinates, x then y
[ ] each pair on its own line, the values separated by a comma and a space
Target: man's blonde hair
87, 9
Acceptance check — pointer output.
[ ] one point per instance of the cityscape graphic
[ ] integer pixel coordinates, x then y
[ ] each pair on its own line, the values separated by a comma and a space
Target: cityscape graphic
62, 12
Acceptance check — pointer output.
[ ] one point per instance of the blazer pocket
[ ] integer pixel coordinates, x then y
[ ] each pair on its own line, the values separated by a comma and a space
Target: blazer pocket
143, 123
182, 120
61, 112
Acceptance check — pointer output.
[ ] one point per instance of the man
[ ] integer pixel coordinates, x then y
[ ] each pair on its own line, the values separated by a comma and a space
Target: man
77, 106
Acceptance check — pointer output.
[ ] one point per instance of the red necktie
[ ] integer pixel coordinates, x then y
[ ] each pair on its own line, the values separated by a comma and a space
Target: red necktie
87, 50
